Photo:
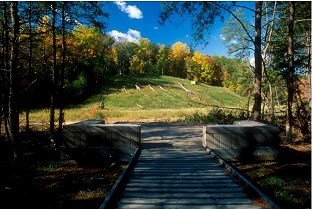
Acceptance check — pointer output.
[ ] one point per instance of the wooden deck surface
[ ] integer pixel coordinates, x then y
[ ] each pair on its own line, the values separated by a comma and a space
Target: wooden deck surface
174, 171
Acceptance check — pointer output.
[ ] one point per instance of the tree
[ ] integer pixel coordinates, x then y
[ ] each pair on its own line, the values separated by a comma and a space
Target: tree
237, 74
235, 38
256, 110
290, 56
13, 80
203, 16
63, 65
89, 60
290, 72
177, 55
204, 68
5, 68
29, 58
162, 60
121, 55
142, 62
53, 75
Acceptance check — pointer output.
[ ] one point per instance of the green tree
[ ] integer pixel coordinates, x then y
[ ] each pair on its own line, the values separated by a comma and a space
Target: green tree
237, 74
122, 52
143, 60
162, 60
235, 38
90, 59
291, 52
203, 16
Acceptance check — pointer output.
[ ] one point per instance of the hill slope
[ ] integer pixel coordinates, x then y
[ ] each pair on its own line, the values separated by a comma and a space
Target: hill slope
162, 98
164, 92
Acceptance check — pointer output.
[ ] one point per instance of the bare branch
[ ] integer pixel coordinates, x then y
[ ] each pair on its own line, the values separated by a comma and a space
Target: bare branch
302, 20
244, 7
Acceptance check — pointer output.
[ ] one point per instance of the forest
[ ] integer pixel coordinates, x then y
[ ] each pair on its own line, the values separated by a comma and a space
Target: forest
54, 54
57, 53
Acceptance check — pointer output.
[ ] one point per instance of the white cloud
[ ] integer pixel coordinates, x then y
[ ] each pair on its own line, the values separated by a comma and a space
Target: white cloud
222, 37
130, 36
131, 10
155, 28
134, 33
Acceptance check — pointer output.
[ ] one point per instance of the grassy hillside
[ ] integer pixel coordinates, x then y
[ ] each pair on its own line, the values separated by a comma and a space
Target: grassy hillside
160, 98
163, 92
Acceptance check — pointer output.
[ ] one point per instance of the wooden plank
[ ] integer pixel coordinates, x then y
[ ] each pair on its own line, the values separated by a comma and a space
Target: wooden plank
186, 201
150, 206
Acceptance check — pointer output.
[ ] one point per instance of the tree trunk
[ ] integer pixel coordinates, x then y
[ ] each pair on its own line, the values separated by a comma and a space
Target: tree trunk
310, 73
13, 81
256, 110
6, 66
268, 62
53, 76
61, 93
3, 67
272, 105
29, 60
290, 73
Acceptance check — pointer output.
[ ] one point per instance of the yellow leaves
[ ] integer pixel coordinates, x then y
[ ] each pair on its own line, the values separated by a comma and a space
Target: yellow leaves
115, 55
136, 65
85, 34
179, 51
201, 59
204, 68
44, 24
87, 41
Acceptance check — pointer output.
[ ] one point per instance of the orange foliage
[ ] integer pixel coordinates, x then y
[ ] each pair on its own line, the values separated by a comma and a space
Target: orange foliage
304, 89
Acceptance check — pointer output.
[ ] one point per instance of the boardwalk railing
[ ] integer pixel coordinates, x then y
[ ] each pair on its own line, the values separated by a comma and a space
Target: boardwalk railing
107, 139
244, 140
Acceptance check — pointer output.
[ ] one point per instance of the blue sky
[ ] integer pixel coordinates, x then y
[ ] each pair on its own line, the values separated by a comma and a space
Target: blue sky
133, 20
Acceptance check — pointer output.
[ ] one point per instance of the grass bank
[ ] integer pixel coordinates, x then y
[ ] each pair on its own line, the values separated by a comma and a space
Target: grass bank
133, 99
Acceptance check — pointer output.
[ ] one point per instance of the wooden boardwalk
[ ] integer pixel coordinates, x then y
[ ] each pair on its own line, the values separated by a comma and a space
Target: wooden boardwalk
173, 171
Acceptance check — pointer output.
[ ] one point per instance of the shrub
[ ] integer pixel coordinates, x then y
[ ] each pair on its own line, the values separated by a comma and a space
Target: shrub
216, 116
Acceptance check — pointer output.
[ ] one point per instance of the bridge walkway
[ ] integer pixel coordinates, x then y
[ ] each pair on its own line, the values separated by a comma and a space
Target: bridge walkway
173, 171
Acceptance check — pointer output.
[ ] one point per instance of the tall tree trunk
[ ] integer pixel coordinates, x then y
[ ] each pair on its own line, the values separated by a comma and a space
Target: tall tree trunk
290, 73
13, 85
29, 59
272, 105
310, 72
61, 93
2, 70
268, 62
6, 67
256, 110
53, 76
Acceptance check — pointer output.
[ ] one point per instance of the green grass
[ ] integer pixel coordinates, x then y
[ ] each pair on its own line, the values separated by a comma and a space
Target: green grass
160, 98
174, 96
